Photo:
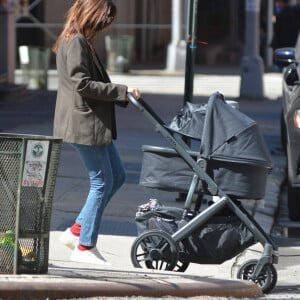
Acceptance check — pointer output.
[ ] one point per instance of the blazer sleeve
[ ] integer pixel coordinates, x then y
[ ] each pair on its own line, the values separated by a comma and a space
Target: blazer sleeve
79, 64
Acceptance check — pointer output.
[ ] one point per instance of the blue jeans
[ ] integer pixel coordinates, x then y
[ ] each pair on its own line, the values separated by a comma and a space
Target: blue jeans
106, 173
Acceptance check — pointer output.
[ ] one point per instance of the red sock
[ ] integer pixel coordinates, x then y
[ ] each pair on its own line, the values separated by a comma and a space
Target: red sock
75, 229
83, 248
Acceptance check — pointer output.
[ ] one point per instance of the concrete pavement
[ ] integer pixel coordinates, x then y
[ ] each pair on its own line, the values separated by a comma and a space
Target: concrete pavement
33, 115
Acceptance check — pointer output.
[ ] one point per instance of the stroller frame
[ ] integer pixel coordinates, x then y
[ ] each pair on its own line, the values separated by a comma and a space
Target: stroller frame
269, 254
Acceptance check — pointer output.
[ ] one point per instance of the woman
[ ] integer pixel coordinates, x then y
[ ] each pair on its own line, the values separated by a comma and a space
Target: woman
85, 117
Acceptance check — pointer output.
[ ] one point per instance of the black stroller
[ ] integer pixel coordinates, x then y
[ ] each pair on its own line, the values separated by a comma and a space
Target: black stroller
232, 165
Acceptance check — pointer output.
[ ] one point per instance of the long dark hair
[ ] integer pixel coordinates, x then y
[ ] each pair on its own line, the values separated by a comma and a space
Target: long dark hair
87, 17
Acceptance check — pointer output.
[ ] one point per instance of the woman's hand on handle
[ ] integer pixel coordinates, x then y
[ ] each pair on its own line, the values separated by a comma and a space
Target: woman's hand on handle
135, 93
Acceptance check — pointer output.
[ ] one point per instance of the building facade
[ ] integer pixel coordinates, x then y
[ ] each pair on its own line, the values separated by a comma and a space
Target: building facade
220, 23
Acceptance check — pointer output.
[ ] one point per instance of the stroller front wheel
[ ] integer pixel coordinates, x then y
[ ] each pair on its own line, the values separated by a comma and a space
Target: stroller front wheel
267, 278
154, 250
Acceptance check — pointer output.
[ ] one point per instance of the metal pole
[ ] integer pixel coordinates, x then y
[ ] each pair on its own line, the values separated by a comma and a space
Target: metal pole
8, 43
252, 65
176, 50
191, 47
144, 31
269, 50
176, 21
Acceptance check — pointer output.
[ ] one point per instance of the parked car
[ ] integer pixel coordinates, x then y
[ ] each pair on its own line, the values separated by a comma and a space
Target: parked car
289, 60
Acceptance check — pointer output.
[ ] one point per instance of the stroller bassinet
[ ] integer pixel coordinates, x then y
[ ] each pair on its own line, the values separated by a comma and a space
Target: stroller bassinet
233, 163
236, 155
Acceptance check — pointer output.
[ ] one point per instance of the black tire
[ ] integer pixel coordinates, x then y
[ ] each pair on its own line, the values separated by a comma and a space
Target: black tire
181, 266
293, 199
154, 250
267, 278
182, 263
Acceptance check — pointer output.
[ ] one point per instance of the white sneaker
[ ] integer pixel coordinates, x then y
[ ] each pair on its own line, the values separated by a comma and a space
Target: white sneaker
69, 239
88, 256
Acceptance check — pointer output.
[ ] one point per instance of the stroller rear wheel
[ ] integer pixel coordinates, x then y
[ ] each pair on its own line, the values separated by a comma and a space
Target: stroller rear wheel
267, 278
154, 250
181, 265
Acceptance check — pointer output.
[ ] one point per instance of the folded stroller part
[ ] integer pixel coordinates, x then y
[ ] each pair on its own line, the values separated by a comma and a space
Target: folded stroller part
231, 166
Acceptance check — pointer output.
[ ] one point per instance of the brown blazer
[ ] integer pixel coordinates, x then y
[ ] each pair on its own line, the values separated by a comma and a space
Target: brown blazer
85, 104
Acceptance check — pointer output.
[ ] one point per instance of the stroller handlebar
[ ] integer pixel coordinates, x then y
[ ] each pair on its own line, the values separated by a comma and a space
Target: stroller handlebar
145, 108
132, 99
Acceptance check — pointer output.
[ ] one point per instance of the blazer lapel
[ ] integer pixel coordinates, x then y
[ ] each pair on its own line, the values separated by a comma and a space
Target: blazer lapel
99, 65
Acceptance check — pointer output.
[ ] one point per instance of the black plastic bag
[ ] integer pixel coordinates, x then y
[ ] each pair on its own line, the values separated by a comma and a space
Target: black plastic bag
189, 121
220, 239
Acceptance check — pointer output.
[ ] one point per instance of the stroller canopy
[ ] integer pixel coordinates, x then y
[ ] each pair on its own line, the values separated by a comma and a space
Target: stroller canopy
230, 135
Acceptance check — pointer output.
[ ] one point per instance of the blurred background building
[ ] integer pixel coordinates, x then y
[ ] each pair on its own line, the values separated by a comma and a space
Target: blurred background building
220, 23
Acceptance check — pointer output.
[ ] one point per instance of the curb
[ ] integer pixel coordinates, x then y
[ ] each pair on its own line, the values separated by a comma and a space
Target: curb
128, 287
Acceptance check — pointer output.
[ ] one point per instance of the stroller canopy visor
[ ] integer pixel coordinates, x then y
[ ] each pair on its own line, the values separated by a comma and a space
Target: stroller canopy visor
230, 135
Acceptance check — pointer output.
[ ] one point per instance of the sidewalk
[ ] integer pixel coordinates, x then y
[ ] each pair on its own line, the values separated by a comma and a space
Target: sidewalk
65, 279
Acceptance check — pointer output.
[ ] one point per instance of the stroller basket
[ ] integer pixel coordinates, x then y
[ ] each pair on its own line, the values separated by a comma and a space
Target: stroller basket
222, 238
